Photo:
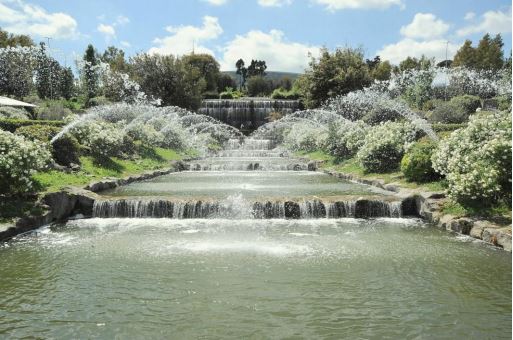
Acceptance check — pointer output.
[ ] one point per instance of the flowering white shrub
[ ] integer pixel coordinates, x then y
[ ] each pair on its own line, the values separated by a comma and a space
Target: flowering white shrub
19, 159
303, 137
345, 139
101, 138
385, 145
145, 133
476, 160
12, 113
175, 137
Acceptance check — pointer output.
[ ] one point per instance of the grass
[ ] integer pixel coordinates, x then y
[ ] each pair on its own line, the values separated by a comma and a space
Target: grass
98, 168
499, 213
351, 166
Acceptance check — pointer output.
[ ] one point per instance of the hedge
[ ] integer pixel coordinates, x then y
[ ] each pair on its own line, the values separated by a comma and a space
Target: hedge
440, 127
12, 124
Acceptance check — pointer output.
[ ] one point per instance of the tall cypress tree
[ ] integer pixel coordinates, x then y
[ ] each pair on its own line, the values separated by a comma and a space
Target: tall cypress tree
91, 74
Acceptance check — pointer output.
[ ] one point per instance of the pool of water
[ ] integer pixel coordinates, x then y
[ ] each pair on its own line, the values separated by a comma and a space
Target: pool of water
248, 184
340, 278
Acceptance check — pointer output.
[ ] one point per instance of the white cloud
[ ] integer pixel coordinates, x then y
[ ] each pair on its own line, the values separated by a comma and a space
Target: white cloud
278, 53
122, 20
397, 52
107, 30
470, 15
125, 44
216, 2
492, 22
182, 38
24, 18
334, 5
425, 26
274, 3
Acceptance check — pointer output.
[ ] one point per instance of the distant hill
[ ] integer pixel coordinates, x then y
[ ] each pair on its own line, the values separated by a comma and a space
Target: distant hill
273, 75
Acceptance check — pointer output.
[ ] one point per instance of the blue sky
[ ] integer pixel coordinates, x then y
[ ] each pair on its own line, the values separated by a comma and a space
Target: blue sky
282, 32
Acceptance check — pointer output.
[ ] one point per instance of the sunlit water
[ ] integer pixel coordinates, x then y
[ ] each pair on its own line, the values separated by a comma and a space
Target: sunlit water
164, 278
248, 184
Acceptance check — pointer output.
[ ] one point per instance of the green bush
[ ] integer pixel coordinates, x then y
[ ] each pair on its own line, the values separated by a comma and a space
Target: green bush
98, 101
448, 113
416, 163
467, 102
43, 133
12, 125
281, 93
226, 95
52, 110
66, 150
504, 102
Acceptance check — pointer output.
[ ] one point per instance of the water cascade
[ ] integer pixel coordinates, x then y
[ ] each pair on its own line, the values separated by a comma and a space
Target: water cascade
247, 113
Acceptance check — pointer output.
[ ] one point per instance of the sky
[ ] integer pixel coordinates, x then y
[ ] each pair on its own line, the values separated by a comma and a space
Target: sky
284, 33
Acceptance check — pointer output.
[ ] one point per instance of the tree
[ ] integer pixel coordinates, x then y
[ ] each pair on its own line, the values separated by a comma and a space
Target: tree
489, 53
333, 74
91, 76
48, 75
466, 56
257, 68
67, 86
115, 57
16, 72
208, 68
410, 63
258, 86
382, 71
224, 81
12, 40
242, 72
169, 78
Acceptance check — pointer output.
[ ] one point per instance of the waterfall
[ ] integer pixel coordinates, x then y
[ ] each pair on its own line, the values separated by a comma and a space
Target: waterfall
246, 113
236, 207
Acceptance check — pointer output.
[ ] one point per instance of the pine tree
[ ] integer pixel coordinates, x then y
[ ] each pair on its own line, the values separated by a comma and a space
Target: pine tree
91, 74
466, 56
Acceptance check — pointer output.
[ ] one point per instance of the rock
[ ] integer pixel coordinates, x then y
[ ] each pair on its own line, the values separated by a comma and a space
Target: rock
61, 204
74, 167
409, 207
391, 187
312, 166
478, 228
461, 225
292, 210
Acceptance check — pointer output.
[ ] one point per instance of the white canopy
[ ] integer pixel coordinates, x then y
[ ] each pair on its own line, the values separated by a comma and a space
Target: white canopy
4, 101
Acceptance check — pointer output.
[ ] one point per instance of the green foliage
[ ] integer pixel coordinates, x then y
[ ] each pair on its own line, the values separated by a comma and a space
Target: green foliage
229, 93
384, 146
282, 93
169, 78
210, 95
439, 127
333, 74
467, 102
448, 113
488, 55
410, 64
476, 160
224, 81
98, 101
504, 102
12, 40
456, 111
66, 150
12, 125
115, 57
207, 67
91, 75
42, 133
257, 86
416, 163
52, 110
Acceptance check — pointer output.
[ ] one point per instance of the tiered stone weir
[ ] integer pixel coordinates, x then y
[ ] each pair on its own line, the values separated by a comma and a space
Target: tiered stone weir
246, 113
223, 186
160, 208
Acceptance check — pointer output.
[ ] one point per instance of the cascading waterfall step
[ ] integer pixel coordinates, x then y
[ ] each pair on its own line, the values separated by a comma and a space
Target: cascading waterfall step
235, 208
